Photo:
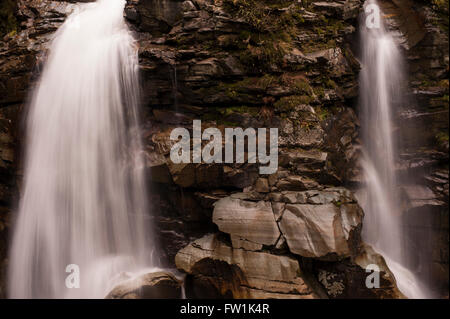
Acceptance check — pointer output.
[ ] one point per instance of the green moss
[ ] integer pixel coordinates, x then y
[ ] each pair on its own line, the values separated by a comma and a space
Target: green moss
240, 109
441, 5
298, 17
441, 102
298, 83
323, 113
220, 115
319, 91
442, 137
262, 51
427, 83
444, 83
302, 87
330, 84
337, 203
271, 31
288, 103
253, 13
266, 80
314, 46
441, 8
262, 15
8, 22
330, 29
327, 30
250, 83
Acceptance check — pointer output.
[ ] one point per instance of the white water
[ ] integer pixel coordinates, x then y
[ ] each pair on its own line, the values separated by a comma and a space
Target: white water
83, 199
381, 80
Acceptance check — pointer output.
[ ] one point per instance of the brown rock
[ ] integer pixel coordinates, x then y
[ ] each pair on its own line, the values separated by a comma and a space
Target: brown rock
237, 273
158, 285
262, 185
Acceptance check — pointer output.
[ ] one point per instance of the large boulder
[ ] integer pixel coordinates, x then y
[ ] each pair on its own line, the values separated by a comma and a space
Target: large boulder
326, 225
315, 223
215, 269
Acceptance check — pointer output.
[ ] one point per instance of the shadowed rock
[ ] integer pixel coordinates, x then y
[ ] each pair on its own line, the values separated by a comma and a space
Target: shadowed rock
156, 285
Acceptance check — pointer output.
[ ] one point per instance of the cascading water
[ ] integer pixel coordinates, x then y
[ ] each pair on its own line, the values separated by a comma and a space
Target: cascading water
381, 83
83, 200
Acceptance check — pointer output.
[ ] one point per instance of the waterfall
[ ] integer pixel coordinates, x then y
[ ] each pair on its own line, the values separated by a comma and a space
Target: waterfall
382, 81
83, 200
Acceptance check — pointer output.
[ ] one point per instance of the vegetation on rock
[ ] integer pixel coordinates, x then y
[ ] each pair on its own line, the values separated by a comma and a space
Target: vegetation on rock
8, 21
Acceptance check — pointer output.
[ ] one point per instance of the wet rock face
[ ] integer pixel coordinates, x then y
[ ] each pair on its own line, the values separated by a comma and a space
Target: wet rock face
348, 279
208, 43
223, 63
423, 33
423, 134
157, 16
213, 63
8, 187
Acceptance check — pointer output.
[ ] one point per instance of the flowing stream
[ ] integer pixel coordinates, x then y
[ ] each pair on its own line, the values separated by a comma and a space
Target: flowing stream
83, 201
381, 83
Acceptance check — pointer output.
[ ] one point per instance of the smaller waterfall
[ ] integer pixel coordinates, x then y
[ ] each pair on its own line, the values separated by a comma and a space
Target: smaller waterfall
84, 194
381, 83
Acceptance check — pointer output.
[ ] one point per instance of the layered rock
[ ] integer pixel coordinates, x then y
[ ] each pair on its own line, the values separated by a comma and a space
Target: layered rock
314, 223
239, 273
230, 64
299, 82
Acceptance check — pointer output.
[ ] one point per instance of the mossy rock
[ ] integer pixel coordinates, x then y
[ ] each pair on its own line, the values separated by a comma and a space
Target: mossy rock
288, 103
8, 21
